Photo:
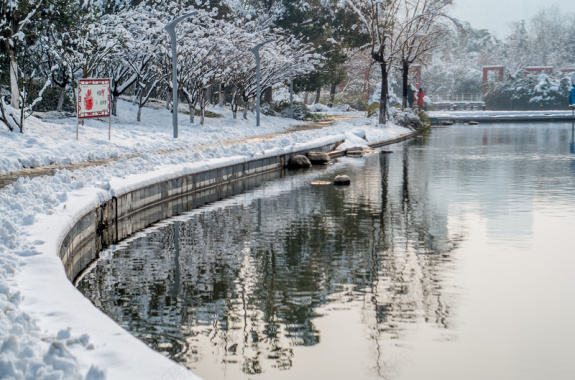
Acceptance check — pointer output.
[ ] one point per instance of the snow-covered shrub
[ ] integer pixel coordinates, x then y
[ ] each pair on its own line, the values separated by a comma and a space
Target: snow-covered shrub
282, 108
372, 109
551, 92
529, 92
412, 118
319, 108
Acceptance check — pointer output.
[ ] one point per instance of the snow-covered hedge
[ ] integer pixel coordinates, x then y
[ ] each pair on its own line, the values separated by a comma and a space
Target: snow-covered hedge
411, 118
529, 92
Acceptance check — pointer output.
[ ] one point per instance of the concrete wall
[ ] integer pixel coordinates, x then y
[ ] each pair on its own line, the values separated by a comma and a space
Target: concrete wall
125, 214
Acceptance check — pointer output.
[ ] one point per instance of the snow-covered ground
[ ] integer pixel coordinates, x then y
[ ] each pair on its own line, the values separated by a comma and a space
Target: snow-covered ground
48, 330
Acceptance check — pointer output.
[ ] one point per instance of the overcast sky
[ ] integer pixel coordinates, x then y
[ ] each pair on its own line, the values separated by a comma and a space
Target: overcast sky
496, 15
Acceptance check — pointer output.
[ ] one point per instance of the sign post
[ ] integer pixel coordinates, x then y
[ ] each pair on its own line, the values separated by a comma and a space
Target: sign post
94, 100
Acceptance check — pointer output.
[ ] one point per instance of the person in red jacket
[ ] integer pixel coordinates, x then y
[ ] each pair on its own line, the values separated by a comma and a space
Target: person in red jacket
420, 96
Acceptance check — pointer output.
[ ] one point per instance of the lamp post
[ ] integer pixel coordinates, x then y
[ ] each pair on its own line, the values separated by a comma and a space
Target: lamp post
171, 29
291, 98
256, 52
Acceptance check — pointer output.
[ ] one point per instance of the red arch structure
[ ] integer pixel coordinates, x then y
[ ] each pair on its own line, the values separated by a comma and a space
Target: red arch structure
538, 69
486, 70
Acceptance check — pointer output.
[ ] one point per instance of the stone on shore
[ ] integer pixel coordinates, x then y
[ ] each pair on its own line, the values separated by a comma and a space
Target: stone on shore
298, 162
342, 180
318, 158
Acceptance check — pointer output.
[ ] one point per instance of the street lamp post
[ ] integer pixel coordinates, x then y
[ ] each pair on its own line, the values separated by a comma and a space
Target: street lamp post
171, 29
291, 98
256, 52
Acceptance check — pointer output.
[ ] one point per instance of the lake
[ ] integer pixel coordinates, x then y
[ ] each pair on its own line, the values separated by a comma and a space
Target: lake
450, 258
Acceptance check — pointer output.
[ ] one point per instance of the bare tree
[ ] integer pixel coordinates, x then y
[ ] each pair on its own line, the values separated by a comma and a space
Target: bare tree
378, 18
400, 31
419, 31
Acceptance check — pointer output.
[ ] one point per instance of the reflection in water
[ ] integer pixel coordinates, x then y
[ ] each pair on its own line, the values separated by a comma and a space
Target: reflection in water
283, 281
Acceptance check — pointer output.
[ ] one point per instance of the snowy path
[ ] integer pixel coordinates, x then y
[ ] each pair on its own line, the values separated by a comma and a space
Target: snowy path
10, 178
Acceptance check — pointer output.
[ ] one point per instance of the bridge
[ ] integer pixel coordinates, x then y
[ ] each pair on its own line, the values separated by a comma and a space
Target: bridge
457, 102
442, 117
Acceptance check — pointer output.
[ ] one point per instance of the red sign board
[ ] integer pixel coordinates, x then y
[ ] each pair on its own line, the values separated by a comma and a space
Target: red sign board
94, 98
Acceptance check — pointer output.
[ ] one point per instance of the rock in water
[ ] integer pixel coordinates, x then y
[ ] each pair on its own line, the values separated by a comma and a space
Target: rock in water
341, 180
318, 158
299, 161
356, 151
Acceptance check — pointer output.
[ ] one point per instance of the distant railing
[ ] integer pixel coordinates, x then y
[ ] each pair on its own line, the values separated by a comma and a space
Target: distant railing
458, 98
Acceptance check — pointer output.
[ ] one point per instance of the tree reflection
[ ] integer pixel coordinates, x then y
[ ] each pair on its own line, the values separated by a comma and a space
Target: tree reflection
250, 278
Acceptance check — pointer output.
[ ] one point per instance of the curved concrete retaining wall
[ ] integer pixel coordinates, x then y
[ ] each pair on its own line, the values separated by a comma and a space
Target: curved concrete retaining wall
125, 214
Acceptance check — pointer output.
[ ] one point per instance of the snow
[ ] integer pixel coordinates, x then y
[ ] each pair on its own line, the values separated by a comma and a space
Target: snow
48, 330
354, 138
337, 110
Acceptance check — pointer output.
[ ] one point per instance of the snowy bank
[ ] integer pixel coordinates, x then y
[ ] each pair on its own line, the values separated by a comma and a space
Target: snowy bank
48, 330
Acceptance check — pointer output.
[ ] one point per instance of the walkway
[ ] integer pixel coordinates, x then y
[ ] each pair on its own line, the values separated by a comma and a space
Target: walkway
8, 179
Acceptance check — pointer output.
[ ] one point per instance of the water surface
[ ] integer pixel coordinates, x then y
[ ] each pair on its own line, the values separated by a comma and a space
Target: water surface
451, 258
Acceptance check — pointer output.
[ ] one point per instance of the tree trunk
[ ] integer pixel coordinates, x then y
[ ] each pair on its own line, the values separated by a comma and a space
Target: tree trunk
405, 80
305, 98
139, 118
246, 107
115, 105
75, 92
191, 106
203, 103
317, 95
15, 98
332, 90
61, 99
208, 95
234, 102
222, 95
383, 97
268, 95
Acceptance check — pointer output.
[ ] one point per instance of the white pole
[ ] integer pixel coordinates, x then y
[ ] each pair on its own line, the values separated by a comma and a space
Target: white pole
171, 29
291, 98
256, 52
77, 110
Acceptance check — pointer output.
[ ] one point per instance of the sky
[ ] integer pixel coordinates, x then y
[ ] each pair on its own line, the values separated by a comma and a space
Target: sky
497, 15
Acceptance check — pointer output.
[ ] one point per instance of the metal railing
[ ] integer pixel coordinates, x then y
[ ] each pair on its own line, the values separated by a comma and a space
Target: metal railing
456, 98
